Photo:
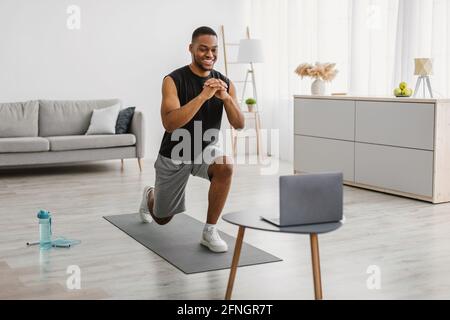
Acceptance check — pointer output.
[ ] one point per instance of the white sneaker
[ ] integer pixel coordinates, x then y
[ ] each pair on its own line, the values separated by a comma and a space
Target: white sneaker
212, 240
143, 209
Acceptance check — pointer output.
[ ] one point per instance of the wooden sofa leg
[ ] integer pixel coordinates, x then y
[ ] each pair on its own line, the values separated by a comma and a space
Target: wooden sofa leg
140, 162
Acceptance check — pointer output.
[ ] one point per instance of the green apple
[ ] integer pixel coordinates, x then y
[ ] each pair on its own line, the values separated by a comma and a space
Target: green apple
403, 85
409, 92
397, 92
404, 92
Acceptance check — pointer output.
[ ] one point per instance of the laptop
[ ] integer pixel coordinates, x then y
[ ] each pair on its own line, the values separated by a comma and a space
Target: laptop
309, 199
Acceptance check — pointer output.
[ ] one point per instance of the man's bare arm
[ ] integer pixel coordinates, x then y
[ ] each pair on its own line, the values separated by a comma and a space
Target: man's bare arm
234, 113
175, 116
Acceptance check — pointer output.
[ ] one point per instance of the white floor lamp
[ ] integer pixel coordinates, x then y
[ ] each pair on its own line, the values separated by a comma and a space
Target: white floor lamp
250, 51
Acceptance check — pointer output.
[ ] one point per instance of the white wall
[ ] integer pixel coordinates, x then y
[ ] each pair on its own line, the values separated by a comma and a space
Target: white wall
123, 49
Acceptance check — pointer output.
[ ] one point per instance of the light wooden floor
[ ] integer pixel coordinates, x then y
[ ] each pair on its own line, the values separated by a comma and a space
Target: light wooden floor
408, 240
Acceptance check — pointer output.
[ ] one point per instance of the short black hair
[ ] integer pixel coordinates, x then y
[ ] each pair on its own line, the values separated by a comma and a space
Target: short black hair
202, 31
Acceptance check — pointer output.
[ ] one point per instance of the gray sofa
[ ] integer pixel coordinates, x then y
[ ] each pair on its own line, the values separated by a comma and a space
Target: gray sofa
49, 132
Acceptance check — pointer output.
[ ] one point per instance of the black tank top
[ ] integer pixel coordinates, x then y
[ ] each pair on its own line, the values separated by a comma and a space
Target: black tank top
189, 85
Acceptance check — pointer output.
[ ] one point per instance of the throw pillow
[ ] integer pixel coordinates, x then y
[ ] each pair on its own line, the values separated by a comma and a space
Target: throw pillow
103, 121
124, 120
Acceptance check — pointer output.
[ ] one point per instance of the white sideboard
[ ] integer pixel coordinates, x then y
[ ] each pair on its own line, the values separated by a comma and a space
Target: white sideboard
394, 145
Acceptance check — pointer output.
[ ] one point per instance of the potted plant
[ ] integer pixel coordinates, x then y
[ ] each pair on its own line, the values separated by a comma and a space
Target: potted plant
250, 104
321, 72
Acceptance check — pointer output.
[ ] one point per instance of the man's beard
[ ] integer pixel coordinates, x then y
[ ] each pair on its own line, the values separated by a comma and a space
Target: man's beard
200, 65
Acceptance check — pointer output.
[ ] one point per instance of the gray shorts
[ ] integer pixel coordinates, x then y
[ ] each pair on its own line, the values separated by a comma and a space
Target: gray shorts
171, 180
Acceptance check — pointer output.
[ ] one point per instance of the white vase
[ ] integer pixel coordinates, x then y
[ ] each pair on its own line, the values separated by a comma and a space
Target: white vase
318, 87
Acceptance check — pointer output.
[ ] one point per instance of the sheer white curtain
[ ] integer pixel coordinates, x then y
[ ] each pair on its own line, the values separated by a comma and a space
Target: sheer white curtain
373, 42
423, 31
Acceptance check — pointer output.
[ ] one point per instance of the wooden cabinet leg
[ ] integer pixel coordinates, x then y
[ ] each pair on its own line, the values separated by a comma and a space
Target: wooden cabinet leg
316, 266
235, 262
140, 164
121, 165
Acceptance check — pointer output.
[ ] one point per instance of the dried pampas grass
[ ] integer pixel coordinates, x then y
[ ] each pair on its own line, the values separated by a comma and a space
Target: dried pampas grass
324, 71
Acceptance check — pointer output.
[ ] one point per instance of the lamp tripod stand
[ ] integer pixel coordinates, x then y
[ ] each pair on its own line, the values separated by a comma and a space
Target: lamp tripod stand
251, 73
424, 81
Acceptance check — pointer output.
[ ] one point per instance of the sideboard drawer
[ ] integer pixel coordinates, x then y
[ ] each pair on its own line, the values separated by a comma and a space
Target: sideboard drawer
315, 155
399, 169
325, 118
400, 124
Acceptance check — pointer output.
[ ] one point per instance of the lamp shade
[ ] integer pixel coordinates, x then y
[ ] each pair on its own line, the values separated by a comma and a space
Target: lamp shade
250, 51
424, 67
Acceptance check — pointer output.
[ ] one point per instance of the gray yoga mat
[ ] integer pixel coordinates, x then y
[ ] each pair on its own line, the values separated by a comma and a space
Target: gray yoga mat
178, 242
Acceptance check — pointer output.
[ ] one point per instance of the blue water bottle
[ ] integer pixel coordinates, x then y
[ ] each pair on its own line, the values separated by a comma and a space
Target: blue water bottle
45, 229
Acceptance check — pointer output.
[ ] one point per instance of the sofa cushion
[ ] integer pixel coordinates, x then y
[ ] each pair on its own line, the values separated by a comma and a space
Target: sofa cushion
90, 142
19, 119
72, 117
123, 123
29, 144
104, 120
